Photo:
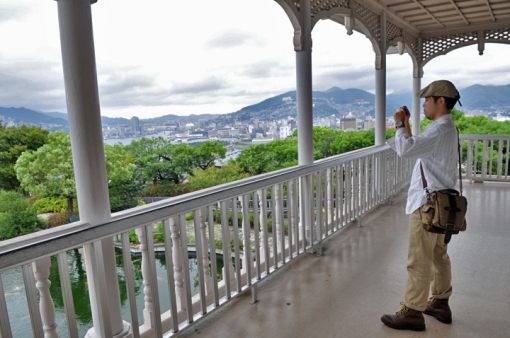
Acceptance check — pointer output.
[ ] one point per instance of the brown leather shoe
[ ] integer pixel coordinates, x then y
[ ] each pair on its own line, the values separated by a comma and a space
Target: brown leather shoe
439, 309
405, 319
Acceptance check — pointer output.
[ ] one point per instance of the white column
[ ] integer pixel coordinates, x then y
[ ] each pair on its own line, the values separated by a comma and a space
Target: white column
78, 58
417, 75
303, 47
380, 89
415, 114
304, 95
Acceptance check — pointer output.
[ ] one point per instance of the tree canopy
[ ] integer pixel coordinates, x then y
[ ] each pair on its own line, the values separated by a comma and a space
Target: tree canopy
159, 161
48, 171
13, 142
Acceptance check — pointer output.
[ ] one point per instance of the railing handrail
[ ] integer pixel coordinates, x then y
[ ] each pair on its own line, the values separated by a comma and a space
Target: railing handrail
483, 137
22, 250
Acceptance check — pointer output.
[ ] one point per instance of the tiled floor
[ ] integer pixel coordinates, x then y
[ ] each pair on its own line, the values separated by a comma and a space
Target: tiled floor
363, 274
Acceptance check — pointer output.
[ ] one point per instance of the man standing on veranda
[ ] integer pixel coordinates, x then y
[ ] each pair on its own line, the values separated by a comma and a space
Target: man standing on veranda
428, 264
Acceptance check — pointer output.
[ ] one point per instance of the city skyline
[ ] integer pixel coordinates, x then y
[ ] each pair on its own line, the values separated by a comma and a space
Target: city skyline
214, 60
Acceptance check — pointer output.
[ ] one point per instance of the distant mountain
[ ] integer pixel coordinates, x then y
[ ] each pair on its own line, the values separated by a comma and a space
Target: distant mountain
485, 97
402, 99
57, 115
30, 116
334, 101
473, 97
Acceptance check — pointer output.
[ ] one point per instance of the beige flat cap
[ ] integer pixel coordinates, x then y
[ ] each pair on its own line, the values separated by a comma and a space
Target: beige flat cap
439, 88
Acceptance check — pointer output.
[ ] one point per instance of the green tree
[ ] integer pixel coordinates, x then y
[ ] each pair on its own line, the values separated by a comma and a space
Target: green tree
153, 160
213, 176
16, 216
49, 171
122, 187
263, 158
159, 161
13, 142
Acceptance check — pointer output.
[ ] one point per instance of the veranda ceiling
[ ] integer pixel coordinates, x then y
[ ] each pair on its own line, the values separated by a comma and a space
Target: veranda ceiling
424, 28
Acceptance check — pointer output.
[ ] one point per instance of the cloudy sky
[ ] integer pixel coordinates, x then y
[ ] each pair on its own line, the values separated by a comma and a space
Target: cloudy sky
160, 57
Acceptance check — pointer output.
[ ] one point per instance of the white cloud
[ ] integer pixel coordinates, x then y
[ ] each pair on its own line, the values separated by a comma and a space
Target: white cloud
161, 57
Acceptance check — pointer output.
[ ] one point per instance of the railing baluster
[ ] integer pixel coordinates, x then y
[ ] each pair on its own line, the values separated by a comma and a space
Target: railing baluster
205, 251
477, 145
484, 160
469, 165
291, 217
5, 328
151, 309
491, 150
168, 223
148, 311
185, 267
227, 258
348, 194
151, 257
340, 195
500, 158
33, 306
279, 216
248, 261
212, 255
237, 261
329, 199
67, 295
41, 269
318, 207
274, 227
256, 233
177, 262
130, 284
263, 224
197, 220
507, 157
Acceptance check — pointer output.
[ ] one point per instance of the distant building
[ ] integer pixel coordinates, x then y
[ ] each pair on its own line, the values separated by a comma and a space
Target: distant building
349, 123
135, 125
285, 131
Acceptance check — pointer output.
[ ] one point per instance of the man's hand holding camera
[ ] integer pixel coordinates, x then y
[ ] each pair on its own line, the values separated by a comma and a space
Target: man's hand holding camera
401, 118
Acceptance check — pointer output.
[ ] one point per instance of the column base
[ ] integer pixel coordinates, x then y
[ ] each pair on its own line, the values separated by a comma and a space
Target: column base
125, 333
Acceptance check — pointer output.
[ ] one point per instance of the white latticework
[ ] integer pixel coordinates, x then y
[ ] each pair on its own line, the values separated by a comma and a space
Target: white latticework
370, 18
325, 5
392, 31
498, 34
411, 41
432, 46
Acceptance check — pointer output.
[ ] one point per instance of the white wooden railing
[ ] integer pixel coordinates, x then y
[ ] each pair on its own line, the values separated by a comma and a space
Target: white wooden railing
487, 157
341, 189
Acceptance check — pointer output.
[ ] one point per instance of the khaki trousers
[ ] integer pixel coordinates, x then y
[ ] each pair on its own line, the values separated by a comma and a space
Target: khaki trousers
428, 265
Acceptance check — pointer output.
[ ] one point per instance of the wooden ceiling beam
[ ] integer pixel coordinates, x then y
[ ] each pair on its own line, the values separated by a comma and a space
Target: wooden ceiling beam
490, 10
459, 11
429, 13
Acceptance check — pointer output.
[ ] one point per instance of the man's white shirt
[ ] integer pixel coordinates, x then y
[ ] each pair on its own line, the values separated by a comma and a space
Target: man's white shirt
436, 149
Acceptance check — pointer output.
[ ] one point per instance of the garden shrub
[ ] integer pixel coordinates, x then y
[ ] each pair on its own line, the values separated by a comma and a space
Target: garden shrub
52, 204
16, 216
59, 218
